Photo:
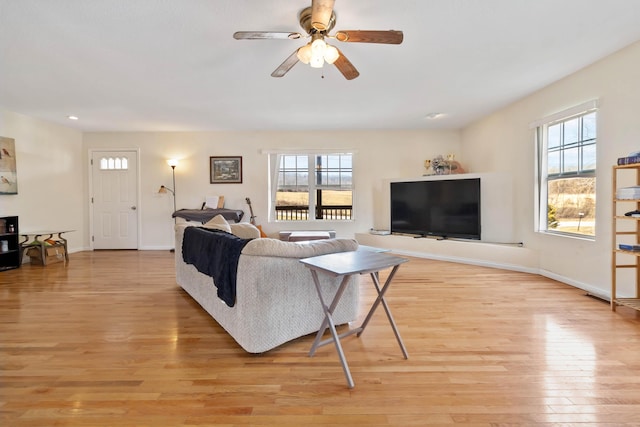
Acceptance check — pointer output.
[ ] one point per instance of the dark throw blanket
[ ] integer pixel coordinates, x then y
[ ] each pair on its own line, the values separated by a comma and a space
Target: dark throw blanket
216, 254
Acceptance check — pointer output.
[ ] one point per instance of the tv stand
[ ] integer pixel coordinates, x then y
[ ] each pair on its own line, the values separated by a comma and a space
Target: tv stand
429, 236
509, 256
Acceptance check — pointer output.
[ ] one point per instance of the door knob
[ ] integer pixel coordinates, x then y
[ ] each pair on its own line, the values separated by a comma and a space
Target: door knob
133, 208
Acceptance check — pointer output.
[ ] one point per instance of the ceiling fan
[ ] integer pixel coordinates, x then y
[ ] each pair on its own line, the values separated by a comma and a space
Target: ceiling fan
317, 21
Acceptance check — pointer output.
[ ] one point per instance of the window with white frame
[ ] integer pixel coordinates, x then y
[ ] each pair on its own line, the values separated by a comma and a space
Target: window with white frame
114, 163
312, 186
566, 145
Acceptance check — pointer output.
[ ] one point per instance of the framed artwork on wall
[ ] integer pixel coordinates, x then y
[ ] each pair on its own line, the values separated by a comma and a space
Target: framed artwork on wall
225, 170
8, 172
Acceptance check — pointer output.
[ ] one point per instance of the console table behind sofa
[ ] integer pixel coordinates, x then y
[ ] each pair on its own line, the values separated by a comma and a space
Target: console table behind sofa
204, 215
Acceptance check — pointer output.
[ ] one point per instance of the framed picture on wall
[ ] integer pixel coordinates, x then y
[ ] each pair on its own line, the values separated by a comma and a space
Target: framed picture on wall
8, 172
225, 170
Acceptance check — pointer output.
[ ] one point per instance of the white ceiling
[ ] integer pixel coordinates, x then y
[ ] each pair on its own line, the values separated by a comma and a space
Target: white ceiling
173, 65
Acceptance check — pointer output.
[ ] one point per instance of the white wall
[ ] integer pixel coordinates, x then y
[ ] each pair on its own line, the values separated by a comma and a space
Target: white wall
51, 191
53, 171
503, 142
379, 156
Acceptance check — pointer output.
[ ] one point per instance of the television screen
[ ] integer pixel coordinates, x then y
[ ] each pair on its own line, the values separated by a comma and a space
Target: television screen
443, 208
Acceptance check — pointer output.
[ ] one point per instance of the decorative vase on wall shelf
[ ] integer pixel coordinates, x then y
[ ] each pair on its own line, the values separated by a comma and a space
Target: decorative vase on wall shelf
441, 166
427, 166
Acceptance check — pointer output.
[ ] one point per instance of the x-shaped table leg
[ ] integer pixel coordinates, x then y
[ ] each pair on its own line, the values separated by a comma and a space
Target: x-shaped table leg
328, 322
380, 299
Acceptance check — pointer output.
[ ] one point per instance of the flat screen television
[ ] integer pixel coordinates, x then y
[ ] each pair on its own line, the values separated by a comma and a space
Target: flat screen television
442, 208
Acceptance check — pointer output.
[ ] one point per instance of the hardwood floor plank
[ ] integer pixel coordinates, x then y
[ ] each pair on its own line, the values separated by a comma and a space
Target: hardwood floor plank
111, 340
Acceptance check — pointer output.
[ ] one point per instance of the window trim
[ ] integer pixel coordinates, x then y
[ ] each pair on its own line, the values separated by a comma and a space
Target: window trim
541, 127
275, 156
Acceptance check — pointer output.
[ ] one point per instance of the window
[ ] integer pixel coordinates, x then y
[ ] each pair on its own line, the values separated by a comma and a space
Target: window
114, 163
310, 187
567, 172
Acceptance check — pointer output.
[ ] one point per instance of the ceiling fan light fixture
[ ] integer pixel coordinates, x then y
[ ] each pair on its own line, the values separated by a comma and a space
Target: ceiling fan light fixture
316, 62
331, 54
304, 53
318, 48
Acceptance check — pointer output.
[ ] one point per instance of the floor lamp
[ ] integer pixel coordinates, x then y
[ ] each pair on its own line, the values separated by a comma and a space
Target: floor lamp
163, 190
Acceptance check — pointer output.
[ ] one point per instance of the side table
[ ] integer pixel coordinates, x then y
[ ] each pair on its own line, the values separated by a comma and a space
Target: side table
41, 245
344, 265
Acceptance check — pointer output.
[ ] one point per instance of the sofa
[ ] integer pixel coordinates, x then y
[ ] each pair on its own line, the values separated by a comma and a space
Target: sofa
275, 300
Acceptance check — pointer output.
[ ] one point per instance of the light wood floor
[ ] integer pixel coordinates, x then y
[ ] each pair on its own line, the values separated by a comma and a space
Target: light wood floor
110, 340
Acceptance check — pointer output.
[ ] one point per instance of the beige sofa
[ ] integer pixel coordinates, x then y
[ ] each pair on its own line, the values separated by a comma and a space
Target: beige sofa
276, 300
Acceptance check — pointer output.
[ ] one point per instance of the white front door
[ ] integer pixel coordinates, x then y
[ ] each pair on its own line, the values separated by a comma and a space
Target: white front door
114, 199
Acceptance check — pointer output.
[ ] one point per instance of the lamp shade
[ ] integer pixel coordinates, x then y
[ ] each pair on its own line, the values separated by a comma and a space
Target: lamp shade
331, 54
318, 47
165, 190
316, 62
172, 162
304, 53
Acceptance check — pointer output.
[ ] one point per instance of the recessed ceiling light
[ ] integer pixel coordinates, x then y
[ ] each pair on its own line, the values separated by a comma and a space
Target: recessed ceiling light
432, 116
72, 117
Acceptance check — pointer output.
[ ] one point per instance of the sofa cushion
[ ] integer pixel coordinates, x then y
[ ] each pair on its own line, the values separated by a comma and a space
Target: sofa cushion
278, 248
218, 223
245, 230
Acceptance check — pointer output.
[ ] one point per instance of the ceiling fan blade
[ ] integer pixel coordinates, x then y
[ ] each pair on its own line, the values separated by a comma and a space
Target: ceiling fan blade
346, 67
321, 11
257, 35
358, 36
286, 65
